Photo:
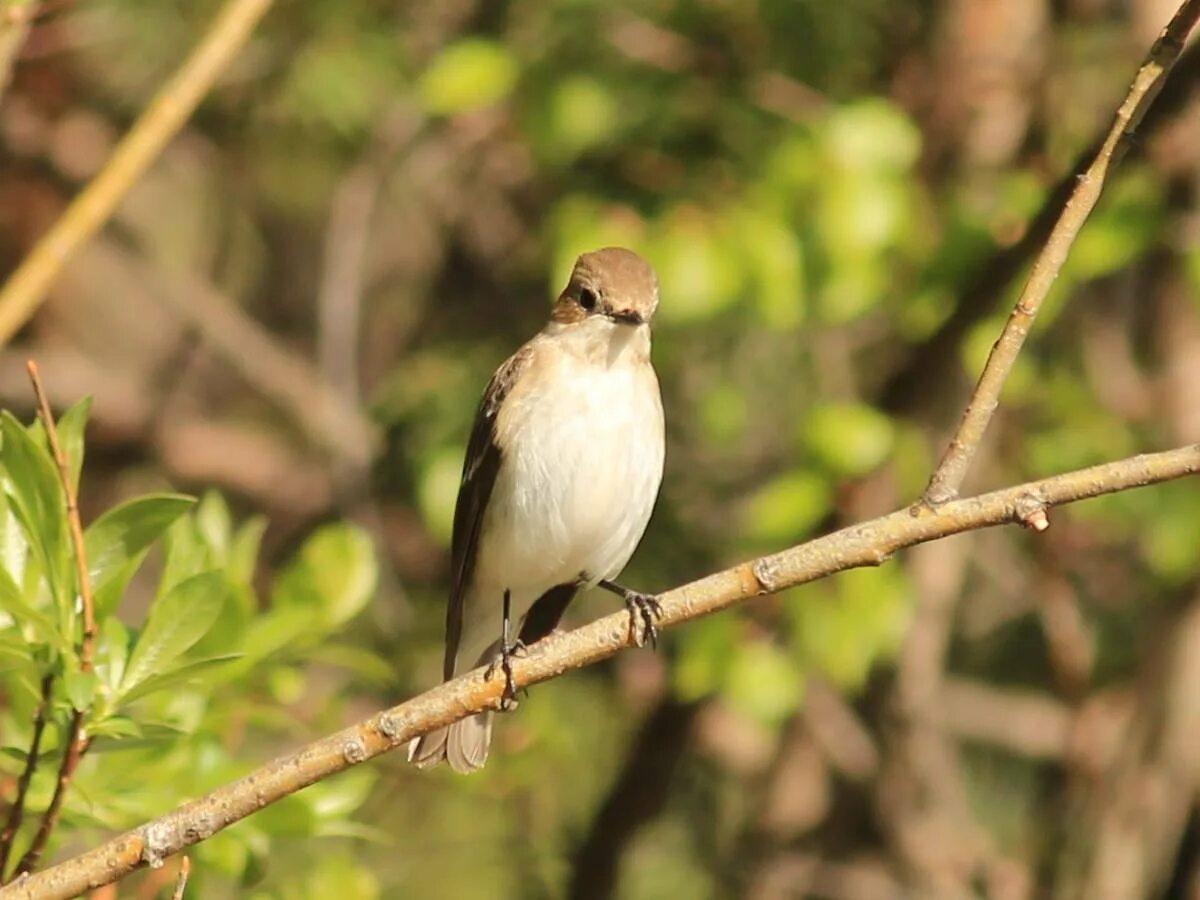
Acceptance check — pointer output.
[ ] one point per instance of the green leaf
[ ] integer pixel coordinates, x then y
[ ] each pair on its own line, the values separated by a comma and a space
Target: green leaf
705, 650
215, 523
187, 554
13, 602
338, 797
151, 735
112, 652
37, 501
277, 629
182, 674
469, 74
115, 727
848, 439
80, 688
14, 547
764, 682
845, 626
785, 509
362, 662
290, 817
178, 619
243, 554
117, 541
335, 571
13, 648
70, 437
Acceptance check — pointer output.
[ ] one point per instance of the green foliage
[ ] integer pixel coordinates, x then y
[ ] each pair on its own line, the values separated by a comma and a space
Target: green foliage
165, 684
467, 75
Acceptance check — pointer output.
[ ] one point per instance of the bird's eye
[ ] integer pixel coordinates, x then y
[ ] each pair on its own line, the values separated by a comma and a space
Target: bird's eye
587, 299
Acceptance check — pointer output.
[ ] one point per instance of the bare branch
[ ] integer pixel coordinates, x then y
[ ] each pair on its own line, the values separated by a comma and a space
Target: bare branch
77, 741
870, 543
14, 26
163, 118
948, 478
185, 869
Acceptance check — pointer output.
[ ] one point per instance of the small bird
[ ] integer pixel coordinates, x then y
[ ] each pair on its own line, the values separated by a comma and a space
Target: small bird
562, 470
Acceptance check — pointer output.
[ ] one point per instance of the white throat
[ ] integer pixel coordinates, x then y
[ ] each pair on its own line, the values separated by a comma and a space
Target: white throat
602, 341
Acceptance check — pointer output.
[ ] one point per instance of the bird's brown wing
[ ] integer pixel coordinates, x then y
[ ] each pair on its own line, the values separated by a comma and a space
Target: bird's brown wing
479, 477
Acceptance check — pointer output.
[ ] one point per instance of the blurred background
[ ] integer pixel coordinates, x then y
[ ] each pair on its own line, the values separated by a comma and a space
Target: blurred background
295, 312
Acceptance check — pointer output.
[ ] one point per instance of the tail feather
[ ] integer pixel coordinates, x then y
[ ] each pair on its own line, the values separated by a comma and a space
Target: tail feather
463, 744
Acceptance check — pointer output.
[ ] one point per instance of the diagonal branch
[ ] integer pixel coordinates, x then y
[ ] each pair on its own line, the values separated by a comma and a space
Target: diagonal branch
870, 543
166, 114
948, 478
15, 20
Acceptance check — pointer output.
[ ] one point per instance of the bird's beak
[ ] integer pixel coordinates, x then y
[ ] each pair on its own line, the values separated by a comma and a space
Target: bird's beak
626, 316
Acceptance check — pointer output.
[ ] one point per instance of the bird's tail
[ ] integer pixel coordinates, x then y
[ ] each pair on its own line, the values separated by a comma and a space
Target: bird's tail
463, 744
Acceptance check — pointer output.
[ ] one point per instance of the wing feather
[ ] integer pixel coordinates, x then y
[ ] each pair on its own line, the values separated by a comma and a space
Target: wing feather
480, 468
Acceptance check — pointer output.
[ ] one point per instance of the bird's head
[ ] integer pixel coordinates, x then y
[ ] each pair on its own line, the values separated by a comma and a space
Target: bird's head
613, 283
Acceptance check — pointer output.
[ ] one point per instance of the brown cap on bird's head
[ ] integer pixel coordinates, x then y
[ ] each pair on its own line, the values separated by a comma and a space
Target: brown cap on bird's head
615, 283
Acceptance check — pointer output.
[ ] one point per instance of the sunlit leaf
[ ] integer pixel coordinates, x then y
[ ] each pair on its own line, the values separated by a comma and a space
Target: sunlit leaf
37, 501
117, 541
335, 571
177, 620
70, 435
24, 614
763, 682
469, 74
786, 508
183, 674
848, 439
80, 688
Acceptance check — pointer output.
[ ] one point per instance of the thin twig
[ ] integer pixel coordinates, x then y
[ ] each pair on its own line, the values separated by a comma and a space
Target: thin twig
185, 869
948, 478
870, 543
77, 741
87, 641
163, 118
17, 812
14, 27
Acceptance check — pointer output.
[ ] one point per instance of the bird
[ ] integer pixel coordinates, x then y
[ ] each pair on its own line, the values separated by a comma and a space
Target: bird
562, 471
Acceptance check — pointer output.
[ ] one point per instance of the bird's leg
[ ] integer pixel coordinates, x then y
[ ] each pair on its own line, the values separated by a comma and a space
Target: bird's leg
643, 610
508, 699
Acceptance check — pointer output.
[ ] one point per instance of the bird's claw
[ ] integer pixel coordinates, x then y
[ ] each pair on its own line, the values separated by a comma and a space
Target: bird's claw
644, 609
503, 662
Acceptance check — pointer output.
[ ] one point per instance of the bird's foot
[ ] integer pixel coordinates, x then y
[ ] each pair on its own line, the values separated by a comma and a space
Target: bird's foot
644, 609
503, 663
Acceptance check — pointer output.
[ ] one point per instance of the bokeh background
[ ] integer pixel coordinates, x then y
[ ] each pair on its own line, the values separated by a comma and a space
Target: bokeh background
294, 314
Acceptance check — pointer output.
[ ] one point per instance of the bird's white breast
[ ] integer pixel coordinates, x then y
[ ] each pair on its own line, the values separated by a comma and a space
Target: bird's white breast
581, 469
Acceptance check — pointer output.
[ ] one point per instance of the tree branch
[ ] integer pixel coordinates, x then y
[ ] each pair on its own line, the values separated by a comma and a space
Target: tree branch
13, 824
77, 741
185, 869
948, 478
869, 543
26, 288
15, 20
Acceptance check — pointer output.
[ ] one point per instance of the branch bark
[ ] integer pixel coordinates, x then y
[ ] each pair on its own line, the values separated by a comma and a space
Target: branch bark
948, 478
166, 114
866, 544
